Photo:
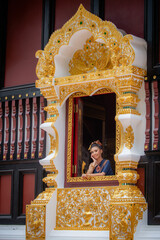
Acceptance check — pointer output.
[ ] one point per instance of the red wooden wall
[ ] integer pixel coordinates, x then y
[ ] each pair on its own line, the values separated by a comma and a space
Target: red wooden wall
5, 194
126, 15
28, 190
23, 40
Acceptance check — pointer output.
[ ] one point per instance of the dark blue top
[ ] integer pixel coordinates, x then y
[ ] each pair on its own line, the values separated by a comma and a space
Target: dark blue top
104, 166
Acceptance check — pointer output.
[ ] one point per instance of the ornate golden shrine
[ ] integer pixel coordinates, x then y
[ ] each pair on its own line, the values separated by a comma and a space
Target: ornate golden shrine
104, 59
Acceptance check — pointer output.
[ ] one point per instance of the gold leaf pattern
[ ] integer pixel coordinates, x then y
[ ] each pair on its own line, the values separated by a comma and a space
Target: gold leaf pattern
129, 137
89, 206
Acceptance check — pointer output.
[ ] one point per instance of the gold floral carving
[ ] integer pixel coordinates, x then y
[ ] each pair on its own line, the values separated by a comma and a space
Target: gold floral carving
36, 215
94, 56
129, 137
120, 222
126, 207
35, 221
83, 208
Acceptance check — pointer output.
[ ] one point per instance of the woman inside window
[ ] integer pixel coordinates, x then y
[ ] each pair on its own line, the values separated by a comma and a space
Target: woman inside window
99, 166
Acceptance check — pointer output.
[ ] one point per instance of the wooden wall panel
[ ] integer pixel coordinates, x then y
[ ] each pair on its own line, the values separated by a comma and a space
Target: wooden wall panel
126, 15
157, 189
28, 190
23, 40
141, 180
5, 194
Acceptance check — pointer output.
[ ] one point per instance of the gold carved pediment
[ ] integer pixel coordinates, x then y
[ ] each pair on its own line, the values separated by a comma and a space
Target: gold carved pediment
102, 46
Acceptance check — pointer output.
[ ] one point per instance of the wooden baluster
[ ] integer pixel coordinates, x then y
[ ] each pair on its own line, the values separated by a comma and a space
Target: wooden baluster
13, 129
156, 115
148, 117
6, 131
20, 129
1, 127
34, 127
27, 129
42, 133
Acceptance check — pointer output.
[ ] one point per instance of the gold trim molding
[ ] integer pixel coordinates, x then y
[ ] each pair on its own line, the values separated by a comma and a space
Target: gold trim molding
69, 140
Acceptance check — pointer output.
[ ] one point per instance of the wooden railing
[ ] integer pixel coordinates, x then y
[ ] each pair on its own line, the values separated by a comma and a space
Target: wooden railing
21, 113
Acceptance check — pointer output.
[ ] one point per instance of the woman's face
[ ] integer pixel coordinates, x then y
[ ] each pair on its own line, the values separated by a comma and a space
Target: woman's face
96, 152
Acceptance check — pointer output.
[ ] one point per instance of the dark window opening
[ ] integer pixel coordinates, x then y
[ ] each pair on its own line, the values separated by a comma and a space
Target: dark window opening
93, 119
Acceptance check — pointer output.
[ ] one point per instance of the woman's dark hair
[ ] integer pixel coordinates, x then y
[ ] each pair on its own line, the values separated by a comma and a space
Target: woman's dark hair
96, 143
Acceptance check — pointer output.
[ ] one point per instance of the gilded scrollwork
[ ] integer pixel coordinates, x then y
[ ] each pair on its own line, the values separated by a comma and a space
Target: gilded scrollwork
46, 66
89, 206
35, 221
94, 56
87, 88
138, 210
120, 225
129, 137
126, 207
36, 215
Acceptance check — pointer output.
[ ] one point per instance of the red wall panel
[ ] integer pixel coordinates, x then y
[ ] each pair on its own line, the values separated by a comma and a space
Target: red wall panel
141, 180
65, 9
28, 190
5, 194
126, 15
23, 40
